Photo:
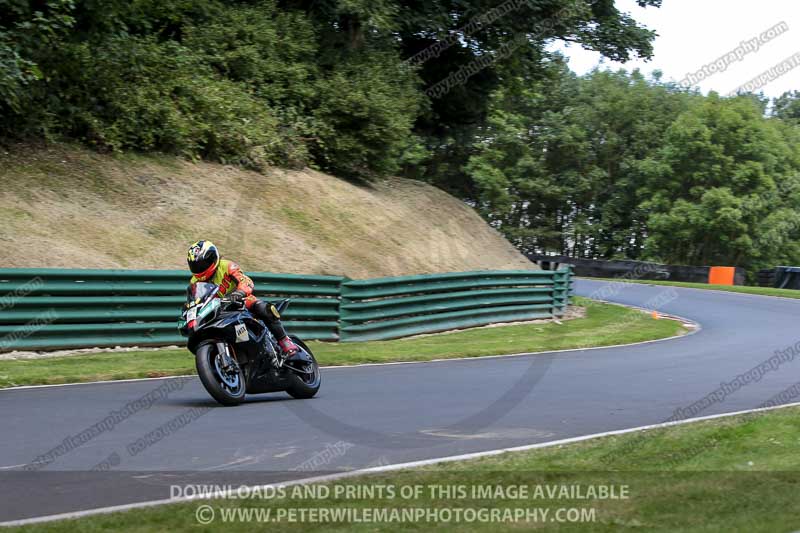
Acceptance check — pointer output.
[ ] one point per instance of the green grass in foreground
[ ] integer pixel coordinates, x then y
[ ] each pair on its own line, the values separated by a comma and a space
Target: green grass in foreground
733, 474
603, 325
763, 291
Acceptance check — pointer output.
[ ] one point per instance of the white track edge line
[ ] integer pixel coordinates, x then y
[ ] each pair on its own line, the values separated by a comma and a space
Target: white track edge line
386, 468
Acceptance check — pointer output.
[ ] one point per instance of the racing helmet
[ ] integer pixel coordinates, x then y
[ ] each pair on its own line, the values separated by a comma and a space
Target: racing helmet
203, 259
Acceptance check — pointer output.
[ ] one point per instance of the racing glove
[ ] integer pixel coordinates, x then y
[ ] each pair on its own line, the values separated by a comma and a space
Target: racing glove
237, 297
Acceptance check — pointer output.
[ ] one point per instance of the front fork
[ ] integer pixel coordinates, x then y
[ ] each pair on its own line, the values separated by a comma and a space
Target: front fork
228, 360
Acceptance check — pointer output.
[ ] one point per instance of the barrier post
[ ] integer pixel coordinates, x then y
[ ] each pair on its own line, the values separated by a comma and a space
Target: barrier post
721, 275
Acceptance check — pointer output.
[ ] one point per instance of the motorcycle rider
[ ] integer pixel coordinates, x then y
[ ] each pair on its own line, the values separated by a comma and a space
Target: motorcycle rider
206, 265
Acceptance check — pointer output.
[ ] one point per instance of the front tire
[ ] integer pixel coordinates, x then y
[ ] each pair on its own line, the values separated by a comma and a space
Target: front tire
227, 388
305, 386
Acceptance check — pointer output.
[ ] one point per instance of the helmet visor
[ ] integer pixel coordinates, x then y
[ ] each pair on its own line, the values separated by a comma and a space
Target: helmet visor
201, 264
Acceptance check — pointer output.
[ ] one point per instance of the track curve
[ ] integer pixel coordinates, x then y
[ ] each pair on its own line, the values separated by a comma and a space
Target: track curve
387, 414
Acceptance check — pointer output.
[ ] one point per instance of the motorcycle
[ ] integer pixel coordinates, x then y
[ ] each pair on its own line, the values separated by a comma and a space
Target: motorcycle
236, 354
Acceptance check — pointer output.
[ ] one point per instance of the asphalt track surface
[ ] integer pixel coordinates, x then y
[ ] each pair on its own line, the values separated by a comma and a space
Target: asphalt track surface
387, 414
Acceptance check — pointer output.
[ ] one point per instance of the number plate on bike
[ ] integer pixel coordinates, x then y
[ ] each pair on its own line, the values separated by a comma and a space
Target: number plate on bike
241, 333
191, 314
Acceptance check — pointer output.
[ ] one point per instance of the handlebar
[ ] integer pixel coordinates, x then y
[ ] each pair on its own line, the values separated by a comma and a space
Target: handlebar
227, 303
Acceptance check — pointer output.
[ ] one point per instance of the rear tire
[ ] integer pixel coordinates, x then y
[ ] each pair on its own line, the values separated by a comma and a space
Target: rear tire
307, 386
211, 379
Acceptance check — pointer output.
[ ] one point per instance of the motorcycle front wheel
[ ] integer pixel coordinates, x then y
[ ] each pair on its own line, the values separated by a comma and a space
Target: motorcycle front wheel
227, 386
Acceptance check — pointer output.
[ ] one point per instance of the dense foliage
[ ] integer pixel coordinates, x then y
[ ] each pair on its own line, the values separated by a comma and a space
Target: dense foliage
287, 82
613, 165
606, 165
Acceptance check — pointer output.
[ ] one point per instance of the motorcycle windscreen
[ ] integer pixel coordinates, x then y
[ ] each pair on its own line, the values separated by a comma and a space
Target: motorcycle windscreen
202, 291
198, 298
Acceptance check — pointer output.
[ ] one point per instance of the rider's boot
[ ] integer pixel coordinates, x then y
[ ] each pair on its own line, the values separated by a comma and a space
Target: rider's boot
288, 346
271, 318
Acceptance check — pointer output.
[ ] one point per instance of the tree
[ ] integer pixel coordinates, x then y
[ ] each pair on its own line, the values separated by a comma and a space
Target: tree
787, 106
336, 84
453, 120
25, 29
724, 190
559, 165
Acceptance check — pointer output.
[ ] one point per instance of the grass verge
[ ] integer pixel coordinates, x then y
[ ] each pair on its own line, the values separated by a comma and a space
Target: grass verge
762, 291
732, 474
603, 325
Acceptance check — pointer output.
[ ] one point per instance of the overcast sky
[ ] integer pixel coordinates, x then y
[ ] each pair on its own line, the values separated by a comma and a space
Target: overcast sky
694, 33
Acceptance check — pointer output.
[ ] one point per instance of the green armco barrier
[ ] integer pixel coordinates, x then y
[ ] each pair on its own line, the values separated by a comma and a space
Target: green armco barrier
388, 308
56, 282
43, 309
75, 308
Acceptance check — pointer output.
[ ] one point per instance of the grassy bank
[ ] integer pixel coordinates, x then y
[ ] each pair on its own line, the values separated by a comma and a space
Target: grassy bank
603, 325
732, 474
762, 291
56, 200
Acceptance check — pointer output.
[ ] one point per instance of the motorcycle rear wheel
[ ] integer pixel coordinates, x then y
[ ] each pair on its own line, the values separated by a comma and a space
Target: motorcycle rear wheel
305, 386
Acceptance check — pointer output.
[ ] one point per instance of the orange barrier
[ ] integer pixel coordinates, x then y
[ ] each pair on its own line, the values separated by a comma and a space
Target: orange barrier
721, 275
